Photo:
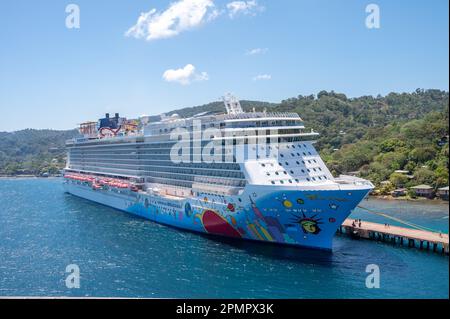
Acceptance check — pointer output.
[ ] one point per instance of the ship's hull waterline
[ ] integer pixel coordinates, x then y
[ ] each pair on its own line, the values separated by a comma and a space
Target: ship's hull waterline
306, 218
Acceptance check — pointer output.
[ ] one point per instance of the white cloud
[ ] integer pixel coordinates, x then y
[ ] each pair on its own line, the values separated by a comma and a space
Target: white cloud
213, 15
184, 15
262, 77
184, 75
256, 51
180, 16
243, 7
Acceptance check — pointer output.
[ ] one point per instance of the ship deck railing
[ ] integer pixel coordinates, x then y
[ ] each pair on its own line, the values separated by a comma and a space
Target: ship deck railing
252, 115
352, 180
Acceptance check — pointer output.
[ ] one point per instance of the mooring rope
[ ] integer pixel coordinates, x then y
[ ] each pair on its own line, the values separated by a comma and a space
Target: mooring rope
398, 220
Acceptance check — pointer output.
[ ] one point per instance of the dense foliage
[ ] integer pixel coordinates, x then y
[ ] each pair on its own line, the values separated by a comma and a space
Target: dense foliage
370, 136
375, 136
33, 152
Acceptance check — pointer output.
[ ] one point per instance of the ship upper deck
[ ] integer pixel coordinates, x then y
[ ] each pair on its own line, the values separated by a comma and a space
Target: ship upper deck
228, 123
276, 120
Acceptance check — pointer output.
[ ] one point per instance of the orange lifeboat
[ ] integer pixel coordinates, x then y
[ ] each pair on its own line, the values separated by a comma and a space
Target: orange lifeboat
96, 186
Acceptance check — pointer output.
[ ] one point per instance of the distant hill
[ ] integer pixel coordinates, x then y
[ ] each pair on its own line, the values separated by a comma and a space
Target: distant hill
341, 120
374, 136
33, 151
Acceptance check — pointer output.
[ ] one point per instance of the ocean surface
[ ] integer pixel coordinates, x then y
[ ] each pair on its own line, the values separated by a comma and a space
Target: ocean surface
43, 230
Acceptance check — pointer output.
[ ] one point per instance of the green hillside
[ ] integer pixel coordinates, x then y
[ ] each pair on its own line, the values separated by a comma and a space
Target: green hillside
376, 136
33, 151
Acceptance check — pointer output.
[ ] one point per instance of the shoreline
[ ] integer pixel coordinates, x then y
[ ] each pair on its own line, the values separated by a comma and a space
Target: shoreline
28, 177
407, 198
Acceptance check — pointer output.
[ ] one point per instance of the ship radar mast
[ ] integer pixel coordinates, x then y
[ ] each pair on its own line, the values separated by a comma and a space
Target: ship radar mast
232, 104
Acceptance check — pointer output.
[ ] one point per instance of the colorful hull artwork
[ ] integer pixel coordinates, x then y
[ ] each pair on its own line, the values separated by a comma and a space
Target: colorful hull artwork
290, 217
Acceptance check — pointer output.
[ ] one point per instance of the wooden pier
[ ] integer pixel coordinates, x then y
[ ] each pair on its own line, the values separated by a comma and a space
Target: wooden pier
414, 238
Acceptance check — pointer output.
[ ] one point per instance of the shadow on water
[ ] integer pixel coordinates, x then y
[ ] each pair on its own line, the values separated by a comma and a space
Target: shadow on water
302, 255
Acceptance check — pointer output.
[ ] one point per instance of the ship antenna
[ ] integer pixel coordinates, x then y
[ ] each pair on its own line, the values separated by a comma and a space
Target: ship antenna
232, 104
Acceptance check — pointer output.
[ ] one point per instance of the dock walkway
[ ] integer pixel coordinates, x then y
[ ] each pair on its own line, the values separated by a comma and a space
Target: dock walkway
397, 235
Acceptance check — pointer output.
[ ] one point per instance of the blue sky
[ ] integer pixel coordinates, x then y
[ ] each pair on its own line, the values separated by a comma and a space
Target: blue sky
55, 77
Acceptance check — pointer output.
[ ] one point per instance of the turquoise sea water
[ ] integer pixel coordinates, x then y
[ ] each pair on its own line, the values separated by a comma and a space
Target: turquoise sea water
42, 230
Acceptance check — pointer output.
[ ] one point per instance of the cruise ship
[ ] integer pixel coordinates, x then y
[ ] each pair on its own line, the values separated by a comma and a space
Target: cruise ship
245, 175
